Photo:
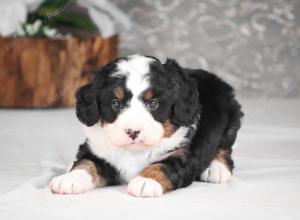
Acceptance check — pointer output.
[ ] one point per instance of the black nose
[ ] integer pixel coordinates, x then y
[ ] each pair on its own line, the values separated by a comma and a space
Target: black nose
132, 133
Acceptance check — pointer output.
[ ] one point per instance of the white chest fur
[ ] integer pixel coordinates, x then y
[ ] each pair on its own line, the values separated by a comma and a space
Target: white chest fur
130, 162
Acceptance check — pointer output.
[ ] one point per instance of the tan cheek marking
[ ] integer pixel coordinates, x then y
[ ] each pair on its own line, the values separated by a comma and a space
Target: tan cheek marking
181, 153
148, 95
168, 128
119, 93
221, 156
90, 167
102, 122
156, 172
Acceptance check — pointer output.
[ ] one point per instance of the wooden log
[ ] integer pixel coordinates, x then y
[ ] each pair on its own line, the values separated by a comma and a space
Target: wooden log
43, 72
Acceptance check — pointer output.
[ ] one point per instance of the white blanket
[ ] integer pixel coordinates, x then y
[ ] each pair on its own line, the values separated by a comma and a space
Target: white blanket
37, 145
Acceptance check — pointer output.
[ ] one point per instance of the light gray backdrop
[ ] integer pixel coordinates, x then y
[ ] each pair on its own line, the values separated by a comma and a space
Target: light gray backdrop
255, 45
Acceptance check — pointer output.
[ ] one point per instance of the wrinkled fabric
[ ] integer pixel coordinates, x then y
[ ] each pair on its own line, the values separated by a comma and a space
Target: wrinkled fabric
37, 145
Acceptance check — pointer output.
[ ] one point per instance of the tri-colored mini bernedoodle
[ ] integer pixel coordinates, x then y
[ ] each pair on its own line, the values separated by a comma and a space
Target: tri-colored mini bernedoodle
156, 126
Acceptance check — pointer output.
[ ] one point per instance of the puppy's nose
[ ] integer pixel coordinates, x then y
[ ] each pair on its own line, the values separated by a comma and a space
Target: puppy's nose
132, 133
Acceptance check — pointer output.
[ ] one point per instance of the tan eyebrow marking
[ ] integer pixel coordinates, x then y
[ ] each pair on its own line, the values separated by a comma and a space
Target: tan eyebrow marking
119, 93
148, 95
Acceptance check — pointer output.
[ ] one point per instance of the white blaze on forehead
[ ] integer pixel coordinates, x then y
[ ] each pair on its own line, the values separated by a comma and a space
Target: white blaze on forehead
135, 69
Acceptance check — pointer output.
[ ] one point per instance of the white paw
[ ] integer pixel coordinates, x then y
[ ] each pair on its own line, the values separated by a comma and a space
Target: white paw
74, 182
217, 172
144, 187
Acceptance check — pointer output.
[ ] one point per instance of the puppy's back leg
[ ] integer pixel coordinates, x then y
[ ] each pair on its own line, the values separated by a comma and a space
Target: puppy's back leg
220, 169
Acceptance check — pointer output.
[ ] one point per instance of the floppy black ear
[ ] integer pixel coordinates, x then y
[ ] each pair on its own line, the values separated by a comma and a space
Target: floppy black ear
186, 107
87, 110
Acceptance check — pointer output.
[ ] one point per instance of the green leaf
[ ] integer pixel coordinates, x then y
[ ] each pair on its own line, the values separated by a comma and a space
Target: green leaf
55, 3
77, 21
52, 13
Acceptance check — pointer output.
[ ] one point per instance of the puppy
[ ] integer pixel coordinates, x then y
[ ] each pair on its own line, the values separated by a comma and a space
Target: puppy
157, 127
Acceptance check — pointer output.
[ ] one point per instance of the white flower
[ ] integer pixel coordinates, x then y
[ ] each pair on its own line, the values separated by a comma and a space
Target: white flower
20, 31
49, 32
36, 26
33, 28
14, 13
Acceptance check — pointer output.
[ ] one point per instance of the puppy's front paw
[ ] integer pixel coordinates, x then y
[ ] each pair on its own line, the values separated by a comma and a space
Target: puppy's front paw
144, 187
74, 182
217, 172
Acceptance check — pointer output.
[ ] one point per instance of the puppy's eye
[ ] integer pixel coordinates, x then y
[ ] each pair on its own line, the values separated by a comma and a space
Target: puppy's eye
152, 105
116, 104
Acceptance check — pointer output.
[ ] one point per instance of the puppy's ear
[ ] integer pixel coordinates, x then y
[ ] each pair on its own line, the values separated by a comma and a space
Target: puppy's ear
186, 107
87, 109
172, 66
